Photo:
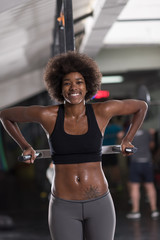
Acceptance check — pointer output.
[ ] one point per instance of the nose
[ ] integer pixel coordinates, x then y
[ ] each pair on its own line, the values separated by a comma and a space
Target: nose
73, 86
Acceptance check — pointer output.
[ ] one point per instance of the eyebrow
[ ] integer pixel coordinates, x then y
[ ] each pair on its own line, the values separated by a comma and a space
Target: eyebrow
67, 79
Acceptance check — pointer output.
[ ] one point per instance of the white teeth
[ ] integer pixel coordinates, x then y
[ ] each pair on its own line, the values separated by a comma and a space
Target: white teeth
74, 94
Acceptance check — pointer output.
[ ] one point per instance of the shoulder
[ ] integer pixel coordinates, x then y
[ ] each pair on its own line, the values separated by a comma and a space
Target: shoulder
102, 114
53, 109
120, 107
48, 112
48, 116
38, 111
103, 108
40, 114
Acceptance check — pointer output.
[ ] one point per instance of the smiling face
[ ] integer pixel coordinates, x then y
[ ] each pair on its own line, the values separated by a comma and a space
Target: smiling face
74, 88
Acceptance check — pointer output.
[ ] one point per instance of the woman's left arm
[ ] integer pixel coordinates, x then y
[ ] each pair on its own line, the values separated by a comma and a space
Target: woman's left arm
136, 108
136, 122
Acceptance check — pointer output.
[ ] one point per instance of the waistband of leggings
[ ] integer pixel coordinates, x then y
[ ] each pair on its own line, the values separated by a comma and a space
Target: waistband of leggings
80, 201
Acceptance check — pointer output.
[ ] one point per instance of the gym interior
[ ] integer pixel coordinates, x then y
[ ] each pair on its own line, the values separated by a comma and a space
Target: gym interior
123, 37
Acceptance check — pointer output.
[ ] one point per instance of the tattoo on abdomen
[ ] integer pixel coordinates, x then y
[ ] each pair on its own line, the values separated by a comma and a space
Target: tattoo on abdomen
91, 192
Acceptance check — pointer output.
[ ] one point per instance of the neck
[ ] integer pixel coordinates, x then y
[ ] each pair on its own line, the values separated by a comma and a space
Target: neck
75, 110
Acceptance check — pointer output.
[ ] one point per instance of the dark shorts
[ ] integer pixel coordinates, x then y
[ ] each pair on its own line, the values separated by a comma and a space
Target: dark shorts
109, 159
141, 172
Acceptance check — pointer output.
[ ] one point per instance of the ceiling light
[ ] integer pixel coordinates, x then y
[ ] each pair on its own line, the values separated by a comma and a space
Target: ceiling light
112, 79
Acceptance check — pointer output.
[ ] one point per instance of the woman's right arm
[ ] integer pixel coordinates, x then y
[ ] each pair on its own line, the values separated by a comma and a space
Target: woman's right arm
10, 117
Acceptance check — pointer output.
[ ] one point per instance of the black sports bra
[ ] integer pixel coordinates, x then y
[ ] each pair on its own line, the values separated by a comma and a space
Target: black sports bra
68, 149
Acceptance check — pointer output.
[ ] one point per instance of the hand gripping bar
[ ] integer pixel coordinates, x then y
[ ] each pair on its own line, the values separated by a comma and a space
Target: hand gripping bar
110, 149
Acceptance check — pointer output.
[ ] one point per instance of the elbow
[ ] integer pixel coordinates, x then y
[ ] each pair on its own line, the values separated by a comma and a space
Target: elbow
146, 105
2, 115
143, 106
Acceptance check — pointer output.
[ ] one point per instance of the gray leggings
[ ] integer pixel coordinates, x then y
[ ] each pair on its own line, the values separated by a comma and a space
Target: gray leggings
78, 220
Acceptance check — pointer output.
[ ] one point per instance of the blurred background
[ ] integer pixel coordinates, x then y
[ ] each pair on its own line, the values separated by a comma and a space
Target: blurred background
123, 36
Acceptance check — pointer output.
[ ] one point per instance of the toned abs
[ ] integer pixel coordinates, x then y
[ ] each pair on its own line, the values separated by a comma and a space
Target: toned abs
79, 181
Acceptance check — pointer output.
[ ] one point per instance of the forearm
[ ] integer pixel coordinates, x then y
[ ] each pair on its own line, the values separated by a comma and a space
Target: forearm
11, 116
136, 122
13, 130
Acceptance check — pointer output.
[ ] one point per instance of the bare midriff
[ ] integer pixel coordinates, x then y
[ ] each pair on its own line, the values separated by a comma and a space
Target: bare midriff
79, 181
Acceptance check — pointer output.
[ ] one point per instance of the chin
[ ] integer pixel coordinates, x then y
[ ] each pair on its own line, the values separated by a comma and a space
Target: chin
74, 102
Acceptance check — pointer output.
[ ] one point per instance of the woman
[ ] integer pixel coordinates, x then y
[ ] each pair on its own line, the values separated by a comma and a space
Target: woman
80, 204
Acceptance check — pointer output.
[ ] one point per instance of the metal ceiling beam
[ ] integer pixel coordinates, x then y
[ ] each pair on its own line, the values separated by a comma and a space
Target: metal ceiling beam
83, 17
139, 20
105, 14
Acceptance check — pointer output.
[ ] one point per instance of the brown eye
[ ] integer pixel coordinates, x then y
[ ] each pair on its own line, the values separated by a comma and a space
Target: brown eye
79, 82
66, 83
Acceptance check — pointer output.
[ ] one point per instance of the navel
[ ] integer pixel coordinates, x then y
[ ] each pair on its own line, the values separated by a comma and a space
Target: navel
78, 179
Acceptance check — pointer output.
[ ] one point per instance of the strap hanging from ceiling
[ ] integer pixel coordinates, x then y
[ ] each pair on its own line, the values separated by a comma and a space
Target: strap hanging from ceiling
63, 34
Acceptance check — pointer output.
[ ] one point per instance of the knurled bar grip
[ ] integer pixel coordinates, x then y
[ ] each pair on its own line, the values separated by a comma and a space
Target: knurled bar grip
45, 153
128, 150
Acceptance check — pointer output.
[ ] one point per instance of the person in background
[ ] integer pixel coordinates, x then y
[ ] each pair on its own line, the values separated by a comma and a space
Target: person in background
113, 135
80, 197
141, 172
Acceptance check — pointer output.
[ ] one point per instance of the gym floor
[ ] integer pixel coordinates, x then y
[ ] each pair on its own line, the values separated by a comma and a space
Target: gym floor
22, 202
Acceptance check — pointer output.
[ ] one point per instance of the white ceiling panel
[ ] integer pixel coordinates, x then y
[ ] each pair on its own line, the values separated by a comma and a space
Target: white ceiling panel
141, 9
105, 14
138, 23
134, 33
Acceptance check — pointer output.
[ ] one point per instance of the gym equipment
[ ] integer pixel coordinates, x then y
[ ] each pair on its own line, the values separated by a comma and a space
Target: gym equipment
45, 153
143, 94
